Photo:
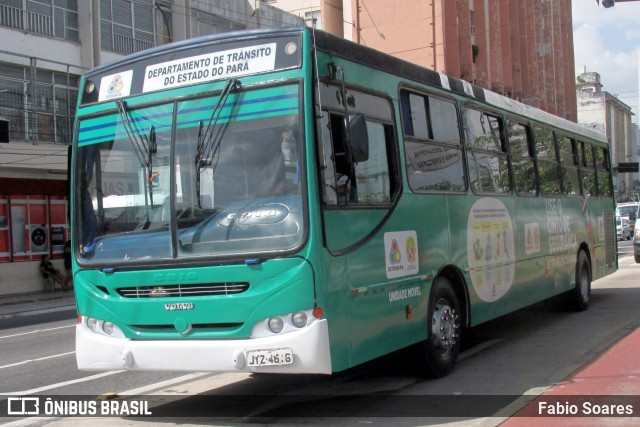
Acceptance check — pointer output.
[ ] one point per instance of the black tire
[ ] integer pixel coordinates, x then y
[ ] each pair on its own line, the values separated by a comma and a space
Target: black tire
437, 355
637, 258
579, 297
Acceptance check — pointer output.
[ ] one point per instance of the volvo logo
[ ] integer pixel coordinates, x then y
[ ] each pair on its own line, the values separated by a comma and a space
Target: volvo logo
179, 306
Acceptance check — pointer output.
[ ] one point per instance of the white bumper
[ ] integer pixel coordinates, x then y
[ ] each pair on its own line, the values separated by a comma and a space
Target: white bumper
310, 346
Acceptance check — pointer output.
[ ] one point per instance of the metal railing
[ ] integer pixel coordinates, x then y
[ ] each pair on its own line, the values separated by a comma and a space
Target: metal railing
25, 20
128, 45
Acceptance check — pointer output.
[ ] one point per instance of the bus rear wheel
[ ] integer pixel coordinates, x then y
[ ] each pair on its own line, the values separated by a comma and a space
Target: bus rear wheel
437, 355
580, 295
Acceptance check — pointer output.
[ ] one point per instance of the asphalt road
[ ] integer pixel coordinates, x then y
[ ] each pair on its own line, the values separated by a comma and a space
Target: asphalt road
522, 353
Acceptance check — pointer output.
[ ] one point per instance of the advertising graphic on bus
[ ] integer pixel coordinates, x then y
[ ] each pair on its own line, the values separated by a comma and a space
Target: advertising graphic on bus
286, 201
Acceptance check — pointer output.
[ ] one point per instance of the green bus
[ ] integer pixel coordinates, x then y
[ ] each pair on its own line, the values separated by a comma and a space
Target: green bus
286, 201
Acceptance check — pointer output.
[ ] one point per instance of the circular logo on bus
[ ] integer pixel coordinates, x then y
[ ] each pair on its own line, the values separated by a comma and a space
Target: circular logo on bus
490, 249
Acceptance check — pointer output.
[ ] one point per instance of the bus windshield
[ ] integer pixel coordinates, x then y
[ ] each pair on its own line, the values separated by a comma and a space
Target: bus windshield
210, 176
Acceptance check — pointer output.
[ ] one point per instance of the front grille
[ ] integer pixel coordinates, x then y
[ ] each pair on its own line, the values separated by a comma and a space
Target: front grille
204, 327
193, 290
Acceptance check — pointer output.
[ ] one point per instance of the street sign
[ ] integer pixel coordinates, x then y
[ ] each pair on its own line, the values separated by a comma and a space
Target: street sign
628, 167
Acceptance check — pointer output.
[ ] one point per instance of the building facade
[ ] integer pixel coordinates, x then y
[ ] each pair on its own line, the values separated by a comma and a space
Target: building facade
47, 45
519, 48
604, 112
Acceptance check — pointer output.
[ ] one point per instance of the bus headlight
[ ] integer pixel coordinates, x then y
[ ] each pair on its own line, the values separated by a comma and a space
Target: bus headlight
108, 328
275, 324
102, 327
299, 319
284, 323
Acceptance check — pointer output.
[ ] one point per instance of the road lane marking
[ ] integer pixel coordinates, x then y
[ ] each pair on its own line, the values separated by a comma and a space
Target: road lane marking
62, 384
36, 331
36, 360
171, 382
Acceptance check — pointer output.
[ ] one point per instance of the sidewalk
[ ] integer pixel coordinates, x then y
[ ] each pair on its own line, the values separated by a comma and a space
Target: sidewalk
610, 383
26, 304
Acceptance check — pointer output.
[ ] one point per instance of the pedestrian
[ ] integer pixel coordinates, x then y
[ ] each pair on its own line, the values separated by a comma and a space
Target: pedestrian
67, 264
49, 271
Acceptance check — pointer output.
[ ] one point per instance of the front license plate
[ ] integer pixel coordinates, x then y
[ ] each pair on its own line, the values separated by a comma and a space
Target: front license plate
280, 356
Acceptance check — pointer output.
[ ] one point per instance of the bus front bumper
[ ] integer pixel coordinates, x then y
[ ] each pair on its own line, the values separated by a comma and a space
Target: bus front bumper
310, 348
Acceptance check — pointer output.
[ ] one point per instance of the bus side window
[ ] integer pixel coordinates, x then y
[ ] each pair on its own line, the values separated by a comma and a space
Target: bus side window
587, 171
486, 153
522, 159
548, 166
432, 143
602, 166
569, 164
369, 183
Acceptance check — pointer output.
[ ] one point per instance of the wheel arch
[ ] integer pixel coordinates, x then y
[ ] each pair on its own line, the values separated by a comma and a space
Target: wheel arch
456, 278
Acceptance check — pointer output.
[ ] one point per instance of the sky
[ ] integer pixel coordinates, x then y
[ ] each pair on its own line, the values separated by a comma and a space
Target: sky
607, 41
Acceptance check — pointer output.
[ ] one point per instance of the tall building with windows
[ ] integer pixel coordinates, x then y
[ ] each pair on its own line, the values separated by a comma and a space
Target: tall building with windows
520, 48
46, 46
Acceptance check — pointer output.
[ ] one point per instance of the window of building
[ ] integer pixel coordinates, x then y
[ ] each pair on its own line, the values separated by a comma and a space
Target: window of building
432, 143
486, 153
4, 131
163, 24
38, 105
126, 26
55, 18
204, 23
313, 19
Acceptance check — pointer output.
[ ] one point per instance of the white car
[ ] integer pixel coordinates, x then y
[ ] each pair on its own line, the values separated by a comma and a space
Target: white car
623, 229
628, 210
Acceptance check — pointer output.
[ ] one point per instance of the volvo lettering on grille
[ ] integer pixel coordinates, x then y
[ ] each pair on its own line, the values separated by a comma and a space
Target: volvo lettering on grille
179, 306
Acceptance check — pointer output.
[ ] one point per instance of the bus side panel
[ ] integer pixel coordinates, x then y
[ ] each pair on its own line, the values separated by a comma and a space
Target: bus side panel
487, 229
386, 295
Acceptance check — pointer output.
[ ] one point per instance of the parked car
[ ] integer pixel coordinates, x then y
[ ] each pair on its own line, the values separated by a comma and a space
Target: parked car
628, 211
623, 228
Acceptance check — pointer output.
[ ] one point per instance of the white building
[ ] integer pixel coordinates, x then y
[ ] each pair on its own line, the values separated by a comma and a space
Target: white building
46, 46
604, 112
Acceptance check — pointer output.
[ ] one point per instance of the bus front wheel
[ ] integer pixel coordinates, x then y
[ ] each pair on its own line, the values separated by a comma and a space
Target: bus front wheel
438, 353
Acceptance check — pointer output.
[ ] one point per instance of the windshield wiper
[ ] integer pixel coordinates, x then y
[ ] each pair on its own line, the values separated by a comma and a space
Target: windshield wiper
145, 146
209, 141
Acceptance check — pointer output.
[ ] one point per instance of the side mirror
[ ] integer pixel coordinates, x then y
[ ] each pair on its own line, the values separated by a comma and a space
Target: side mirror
359, 138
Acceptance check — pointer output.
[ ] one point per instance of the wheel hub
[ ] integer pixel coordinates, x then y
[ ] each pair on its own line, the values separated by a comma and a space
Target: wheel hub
444, 327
